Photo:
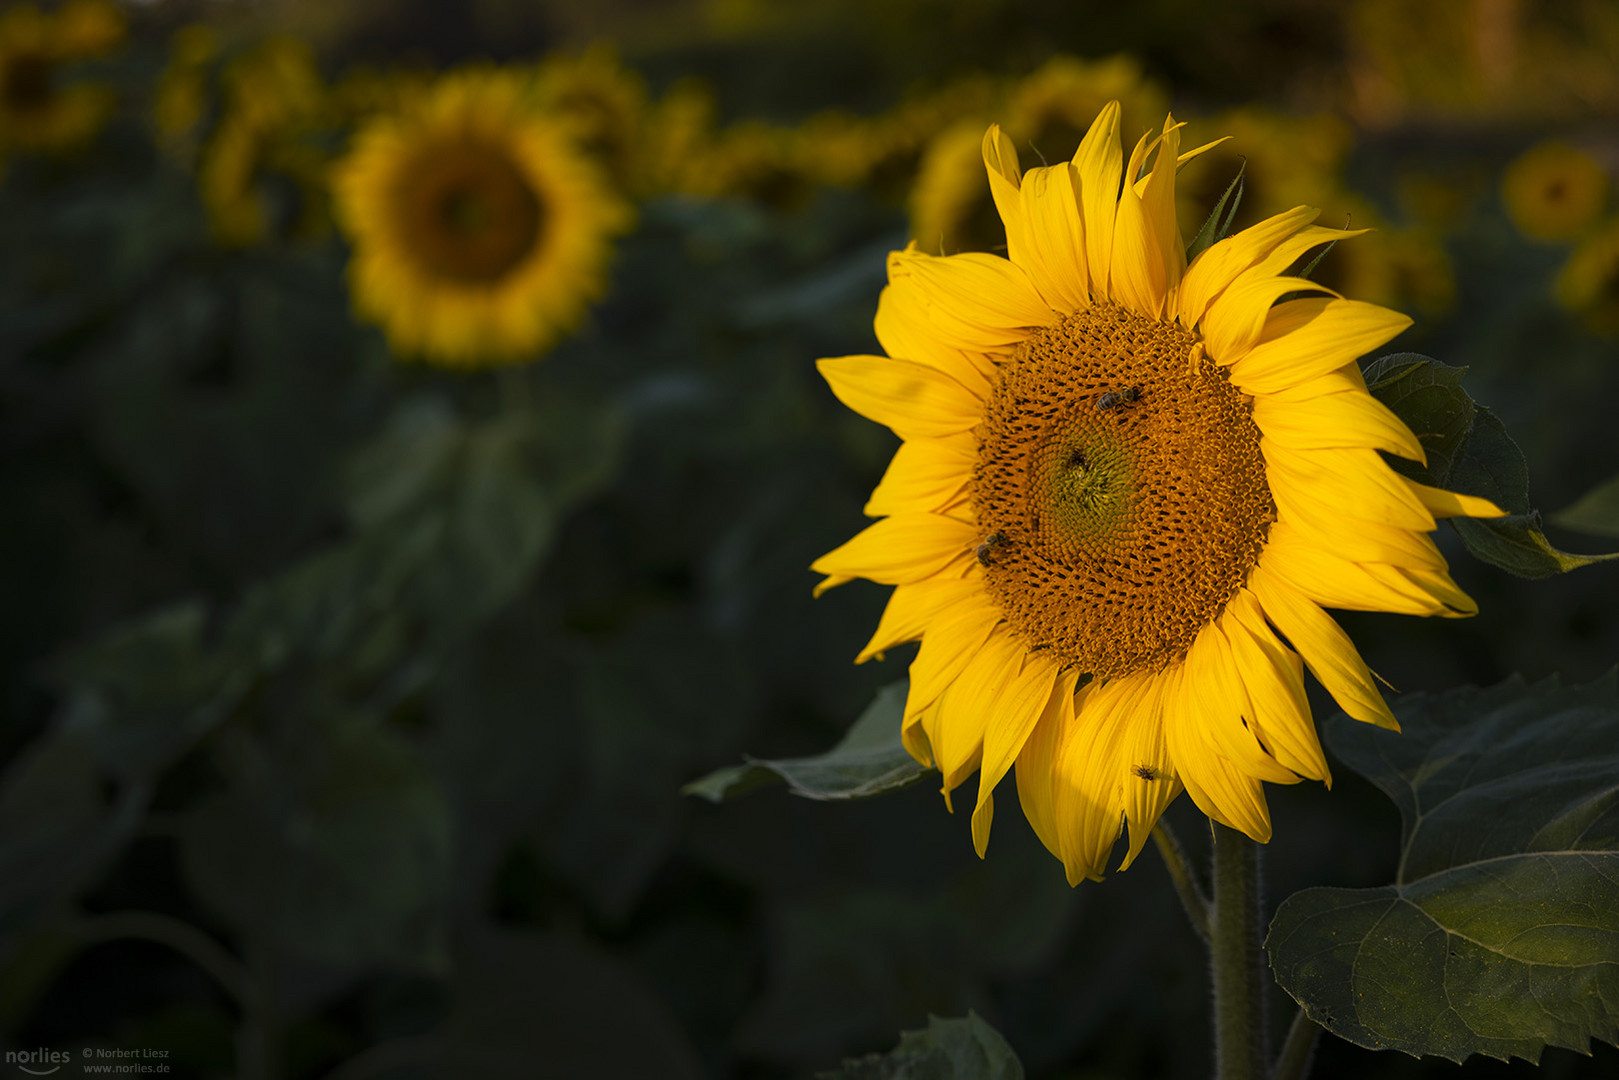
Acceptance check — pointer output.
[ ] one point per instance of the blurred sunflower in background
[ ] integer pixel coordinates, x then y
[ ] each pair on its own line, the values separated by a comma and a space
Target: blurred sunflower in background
40, 108
481, 231
262, 174
1554, 191
603, 103
1127, 490
1048, 111
1588, 284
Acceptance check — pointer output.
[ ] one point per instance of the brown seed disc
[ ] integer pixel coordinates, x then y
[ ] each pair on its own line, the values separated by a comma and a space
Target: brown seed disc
467, 211
1124, 490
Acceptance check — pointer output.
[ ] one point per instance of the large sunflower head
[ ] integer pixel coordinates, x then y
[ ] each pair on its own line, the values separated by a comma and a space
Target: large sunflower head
1128, 488
480, 231
41, 108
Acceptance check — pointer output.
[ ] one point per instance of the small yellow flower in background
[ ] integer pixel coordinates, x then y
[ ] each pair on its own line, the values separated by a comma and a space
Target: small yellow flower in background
481, 232
180, 100
951, 208
603, 103
1554, 191
261, 174
1588, 284
1128, 488
39, 110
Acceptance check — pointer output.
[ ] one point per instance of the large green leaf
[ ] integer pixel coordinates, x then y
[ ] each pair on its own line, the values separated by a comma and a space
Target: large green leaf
1470, 451
1500, 932
868, 760
964, 1048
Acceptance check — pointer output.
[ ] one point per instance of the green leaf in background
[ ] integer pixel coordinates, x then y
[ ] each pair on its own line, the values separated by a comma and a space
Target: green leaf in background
1469, 451
867, 761
333, 841
1596, 512
963, 1048
1500, 933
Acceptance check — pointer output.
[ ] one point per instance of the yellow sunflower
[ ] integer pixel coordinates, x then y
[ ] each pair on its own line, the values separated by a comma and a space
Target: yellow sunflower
480, 231
1554, 191
1127, 490
39, 110
603, 102
1588, 284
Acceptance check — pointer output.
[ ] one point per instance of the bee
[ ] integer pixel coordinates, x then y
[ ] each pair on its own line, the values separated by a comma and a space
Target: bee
1146, 772
987, 548
1113, 399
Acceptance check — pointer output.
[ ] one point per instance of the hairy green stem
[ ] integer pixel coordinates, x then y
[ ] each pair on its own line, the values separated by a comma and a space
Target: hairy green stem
1180, 872
1240, 1038
1293, 1063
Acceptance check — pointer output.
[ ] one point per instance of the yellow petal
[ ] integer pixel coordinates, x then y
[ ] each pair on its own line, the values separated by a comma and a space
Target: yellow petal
1092, 765
1448, 504
972, 301
925, 475
1310, 337
948, 645
1150, 782
913, 400
1355, 480
1333, 581
1336, 420
902, 549
1054, 249
1216, 687
1148, 256
911, 610
1220, 264
1100, 162
1037, 763
1239, 317
1013, 711
1325, 648
1274, 677
1351, 537
904, 334
1220, 789
968, 706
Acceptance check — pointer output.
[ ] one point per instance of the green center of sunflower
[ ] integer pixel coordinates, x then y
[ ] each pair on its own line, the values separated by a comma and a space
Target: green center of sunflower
469, 212
1121, 490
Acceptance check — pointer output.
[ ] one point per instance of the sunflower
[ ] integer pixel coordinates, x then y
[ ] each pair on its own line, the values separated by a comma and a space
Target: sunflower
1554, 191
1588, 284
605, 105
480, 231
1127, 489
180, 99
38, 110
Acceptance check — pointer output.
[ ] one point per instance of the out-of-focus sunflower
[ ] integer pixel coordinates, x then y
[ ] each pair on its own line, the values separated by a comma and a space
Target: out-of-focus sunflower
1127, 490
763, 162
951, 207
678, 132
1588, 284
480, 231
261, 173
603, 103
1554, 191
180, 100
40, 110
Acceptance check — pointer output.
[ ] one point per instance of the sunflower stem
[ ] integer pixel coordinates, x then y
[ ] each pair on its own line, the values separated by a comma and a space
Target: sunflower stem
1240, 1038
1298, 1050
1180, 872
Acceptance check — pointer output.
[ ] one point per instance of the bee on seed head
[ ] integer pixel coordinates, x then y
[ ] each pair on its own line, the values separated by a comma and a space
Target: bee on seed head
1113, 399
991, 542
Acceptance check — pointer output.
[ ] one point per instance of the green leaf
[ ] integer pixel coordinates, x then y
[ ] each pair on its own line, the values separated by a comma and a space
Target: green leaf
869, 760
964, 1048
1213, 230
1500, 933
1469, 451
332, 840
1596, 512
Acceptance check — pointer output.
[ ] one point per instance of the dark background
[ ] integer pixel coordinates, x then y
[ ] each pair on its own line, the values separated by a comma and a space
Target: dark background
347, 701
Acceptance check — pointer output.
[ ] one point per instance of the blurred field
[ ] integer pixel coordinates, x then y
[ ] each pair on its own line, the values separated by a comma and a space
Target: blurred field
349, 689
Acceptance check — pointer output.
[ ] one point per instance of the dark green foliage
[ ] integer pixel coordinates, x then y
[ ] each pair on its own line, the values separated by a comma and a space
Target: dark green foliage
1500, 932
868, 760
957, 1049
